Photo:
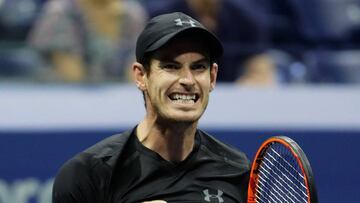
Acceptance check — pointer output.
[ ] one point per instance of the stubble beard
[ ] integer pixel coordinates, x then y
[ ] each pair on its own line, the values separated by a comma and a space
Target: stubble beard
164, 119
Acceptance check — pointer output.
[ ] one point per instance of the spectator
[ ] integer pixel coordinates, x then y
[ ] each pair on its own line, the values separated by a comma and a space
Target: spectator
17, 61
316, 41
88, 40
240, 28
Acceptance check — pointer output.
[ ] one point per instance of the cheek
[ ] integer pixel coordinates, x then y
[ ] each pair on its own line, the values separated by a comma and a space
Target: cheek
157, 86
205, 82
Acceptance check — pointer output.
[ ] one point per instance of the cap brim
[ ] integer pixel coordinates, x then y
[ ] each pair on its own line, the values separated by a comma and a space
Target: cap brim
215, 44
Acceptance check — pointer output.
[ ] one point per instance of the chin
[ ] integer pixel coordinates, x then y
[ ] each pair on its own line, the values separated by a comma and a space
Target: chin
186, 120
184, 117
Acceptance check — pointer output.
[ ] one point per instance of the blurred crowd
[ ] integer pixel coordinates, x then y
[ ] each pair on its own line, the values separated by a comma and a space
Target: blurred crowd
266, 42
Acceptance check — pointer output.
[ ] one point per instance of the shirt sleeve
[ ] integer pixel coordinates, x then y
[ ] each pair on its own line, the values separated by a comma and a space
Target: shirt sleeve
75, 184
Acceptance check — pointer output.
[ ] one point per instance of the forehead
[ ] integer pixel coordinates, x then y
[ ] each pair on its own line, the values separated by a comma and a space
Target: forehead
182, 45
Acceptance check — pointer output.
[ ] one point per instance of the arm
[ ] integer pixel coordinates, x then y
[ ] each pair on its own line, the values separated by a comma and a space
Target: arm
74, 184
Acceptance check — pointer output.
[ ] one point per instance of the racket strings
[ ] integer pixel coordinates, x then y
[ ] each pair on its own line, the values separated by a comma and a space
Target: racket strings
269, 195
280, 189
280, 185
288, 164
288, 173
280, 177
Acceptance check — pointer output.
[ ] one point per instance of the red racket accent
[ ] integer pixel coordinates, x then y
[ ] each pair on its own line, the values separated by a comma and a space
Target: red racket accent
281, 172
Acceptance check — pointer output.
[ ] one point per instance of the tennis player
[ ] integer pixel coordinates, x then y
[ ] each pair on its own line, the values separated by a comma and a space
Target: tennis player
165, 158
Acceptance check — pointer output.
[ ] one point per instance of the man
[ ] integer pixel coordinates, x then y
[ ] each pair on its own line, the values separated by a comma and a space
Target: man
165, 158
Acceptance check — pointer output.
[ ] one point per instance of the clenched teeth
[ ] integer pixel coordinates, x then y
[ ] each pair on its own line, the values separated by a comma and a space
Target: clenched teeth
183, 97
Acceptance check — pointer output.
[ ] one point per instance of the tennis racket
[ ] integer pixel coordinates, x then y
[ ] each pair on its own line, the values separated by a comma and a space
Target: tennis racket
281, 173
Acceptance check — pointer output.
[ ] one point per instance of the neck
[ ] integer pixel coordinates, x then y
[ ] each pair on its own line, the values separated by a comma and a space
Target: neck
173, 142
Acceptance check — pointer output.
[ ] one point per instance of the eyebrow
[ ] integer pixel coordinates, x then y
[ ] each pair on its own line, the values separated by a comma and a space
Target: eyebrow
201, 60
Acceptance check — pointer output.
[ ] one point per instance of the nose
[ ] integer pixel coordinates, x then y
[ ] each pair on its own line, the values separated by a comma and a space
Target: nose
187, 77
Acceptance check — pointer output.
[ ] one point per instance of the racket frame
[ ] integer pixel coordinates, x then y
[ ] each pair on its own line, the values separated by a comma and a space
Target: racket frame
300, 157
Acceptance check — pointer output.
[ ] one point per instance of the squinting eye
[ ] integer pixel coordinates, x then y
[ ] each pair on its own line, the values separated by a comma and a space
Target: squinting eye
199, 67
170, 66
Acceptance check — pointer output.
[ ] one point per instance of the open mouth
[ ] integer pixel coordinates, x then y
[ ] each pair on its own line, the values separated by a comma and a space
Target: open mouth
184, 98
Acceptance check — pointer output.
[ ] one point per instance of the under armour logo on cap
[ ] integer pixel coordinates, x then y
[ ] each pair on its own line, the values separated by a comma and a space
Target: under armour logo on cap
179, 22
217, 196
163, 28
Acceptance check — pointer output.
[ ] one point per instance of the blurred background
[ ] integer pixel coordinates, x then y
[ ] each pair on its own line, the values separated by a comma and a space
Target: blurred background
290, 67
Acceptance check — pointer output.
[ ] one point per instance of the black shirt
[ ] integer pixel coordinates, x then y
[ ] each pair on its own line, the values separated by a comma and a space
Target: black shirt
213, 172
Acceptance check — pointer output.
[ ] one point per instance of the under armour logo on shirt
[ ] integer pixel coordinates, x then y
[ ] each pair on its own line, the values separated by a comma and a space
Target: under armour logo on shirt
179, 22
217, 196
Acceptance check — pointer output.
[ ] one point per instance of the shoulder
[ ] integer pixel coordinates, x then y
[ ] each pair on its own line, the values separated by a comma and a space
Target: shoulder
99, 152
89, 171
74, 183
109, 146
223, 151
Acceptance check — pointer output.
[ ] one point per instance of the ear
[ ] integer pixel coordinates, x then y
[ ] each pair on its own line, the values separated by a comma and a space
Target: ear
139, 75
213, 75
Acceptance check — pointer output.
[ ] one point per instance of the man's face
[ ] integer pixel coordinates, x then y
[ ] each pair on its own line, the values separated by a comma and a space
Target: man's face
179, 82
